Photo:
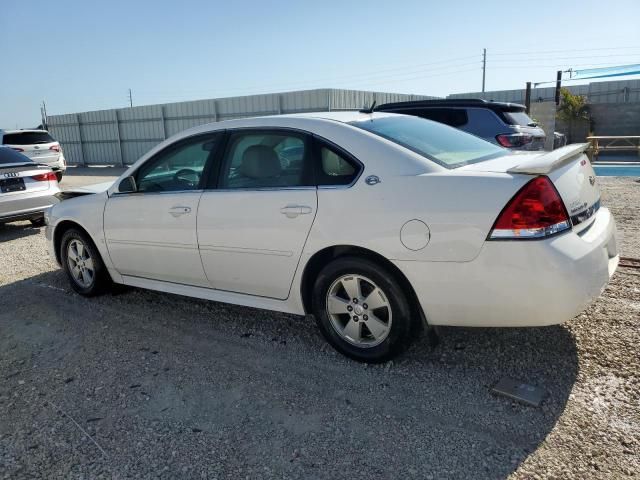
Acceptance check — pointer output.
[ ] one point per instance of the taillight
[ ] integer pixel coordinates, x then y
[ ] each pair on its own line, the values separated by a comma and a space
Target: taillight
536, 211
514, 140
17, 149
44, 177
55, 148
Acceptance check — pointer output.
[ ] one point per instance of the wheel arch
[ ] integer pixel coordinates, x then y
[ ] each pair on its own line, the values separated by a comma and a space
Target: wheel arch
328, 254
61, 228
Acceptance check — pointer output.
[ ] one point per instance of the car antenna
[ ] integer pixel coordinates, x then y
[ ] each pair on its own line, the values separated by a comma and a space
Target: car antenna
370, 109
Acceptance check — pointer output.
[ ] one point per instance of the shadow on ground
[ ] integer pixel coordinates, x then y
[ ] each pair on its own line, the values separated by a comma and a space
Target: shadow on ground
174, 387
16, 230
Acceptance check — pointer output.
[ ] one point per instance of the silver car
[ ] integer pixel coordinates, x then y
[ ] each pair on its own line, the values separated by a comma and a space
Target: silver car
27, 188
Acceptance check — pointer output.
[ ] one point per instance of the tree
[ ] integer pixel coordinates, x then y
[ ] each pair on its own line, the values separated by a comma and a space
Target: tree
574, 112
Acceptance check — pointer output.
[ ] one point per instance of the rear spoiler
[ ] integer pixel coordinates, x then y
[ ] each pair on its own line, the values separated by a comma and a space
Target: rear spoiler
548, 162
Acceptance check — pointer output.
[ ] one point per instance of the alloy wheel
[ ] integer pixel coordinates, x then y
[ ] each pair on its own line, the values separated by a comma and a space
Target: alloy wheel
80, 263
359, 311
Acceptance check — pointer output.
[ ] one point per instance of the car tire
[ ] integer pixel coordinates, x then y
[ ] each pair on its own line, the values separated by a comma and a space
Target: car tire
59, 176
37, 222
367, 333
82, 263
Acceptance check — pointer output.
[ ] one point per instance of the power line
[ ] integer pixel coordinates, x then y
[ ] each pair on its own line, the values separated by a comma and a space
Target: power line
561, 65
565, 51
339, 78
529, 59
319, 83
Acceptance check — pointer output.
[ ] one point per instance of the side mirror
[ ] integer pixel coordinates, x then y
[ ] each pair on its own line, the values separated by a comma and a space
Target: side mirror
127, 185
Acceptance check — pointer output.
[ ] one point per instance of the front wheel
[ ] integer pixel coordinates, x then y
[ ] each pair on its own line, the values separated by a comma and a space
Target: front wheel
82, 263
361, 310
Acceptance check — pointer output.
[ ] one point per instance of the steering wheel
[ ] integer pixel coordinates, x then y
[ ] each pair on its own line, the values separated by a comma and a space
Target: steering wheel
182, 177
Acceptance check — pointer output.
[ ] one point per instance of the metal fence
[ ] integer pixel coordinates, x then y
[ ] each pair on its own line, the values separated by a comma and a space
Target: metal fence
121, 136
625, 91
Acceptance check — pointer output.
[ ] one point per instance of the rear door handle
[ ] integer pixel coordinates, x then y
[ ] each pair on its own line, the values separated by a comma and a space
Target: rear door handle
292, 211
179, 210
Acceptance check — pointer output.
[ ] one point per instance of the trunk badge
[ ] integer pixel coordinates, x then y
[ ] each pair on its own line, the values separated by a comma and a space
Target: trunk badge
592, 180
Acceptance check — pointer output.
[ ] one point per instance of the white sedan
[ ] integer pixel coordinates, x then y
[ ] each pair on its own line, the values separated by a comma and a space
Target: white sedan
377, 224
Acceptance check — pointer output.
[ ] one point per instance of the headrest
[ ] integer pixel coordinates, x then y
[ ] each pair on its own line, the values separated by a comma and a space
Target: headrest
260, 161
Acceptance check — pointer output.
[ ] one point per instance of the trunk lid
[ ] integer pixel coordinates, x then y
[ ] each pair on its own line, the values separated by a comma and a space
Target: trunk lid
18, 179
568, 168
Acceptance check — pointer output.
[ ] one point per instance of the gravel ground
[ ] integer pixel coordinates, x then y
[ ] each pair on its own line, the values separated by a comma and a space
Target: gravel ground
141, 384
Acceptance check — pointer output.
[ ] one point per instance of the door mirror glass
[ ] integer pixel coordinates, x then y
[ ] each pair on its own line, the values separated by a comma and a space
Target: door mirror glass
127, 185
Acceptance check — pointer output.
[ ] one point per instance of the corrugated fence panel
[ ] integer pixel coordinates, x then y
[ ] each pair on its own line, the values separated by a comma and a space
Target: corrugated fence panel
250, 106
66, 129
132, 151
305, 101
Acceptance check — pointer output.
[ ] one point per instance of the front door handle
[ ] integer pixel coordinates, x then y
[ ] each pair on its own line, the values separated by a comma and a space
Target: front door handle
292, 211
179, 210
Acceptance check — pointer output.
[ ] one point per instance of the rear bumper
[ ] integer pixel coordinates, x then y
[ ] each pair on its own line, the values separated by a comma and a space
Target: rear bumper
519, 283
57, 166
27, 206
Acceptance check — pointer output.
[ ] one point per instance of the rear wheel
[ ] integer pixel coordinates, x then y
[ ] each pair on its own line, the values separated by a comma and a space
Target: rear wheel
361, 310
59, 176
82, 263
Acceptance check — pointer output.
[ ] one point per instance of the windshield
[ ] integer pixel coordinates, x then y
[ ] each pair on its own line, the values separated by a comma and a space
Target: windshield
519, 118
8, 156
440, 143
27, 138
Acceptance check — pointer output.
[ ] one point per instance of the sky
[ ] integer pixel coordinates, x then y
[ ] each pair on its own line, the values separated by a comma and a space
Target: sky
85, 55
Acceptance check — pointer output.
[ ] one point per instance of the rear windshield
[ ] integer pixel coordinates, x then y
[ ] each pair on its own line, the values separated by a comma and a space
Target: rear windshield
27, 138
519, 118
11, 156
440, 143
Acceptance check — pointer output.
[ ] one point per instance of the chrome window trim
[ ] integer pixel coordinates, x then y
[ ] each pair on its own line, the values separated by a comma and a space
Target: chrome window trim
156, 193
260, 189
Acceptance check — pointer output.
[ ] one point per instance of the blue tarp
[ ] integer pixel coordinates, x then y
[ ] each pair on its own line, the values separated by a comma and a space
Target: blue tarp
605, 72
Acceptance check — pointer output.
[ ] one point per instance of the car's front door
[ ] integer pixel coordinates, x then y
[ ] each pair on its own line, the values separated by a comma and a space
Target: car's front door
253, 227
151, 233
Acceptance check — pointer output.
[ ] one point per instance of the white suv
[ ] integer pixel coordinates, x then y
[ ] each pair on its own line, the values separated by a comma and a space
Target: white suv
38, 145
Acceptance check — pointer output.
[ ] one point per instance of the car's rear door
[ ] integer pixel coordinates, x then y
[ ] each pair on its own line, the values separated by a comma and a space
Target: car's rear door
253, 227
151, 233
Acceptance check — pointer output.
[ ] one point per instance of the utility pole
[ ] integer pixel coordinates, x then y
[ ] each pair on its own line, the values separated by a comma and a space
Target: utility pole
484, 66
558, 85
130, 99
43, 115
527, 98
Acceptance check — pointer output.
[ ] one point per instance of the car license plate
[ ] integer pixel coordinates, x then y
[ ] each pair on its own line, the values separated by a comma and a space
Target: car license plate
12, 185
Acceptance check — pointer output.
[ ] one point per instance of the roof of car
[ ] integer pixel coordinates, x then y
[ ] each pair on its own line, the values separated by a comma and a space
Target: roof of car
24, 130
457, 102
344, 116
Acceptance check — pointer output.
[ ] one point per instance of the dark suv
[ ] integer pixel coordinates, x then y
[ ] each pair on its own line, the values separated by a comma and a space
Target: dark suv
506, 124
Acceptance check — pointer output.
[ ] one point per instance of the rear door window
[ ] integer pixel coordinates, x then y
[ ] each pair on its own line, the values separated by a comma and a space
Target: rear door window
267, 159
27, 138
